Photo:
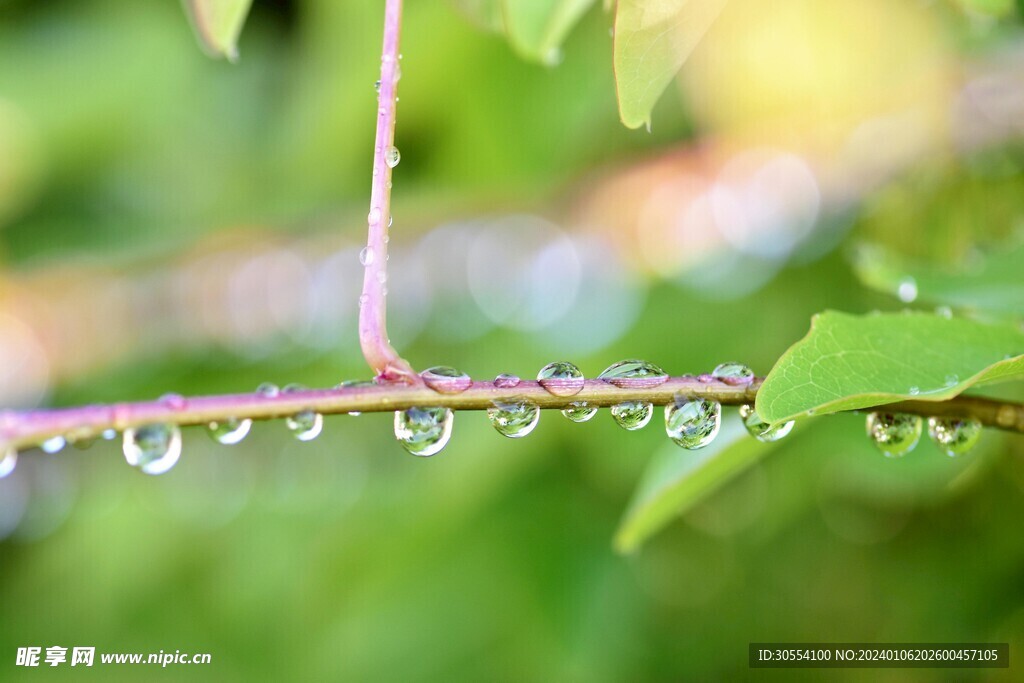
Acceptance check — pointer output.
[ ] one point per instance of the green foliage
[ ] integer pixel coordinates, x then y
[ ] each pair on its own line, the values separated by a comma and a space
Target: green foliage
676, 480
848, 362
217, 24
994, 285
652, 40
534, 28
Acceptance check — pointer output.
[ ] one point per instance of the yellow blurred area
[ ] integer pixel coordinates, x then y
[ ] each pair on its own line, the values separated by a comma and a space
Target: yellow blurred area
804, 73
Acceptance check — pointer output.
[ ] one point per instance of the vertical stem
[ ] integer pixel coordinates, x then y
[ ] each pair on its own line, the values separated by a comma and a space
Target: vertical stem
373, 335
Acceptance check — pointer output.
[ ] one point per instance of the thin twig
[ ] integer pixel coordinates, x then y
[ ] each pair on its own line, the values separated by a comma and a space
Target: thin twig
373, 334
26, 428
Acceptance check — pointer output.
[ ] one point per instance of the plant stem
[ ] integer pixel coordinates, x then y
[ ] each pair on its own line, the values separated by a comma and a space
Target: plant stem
373, 334
27, 428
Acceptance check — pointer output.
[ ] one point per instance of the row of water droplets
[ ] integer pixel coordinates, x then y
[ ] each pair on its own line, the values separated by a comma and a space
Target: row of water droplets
690, 422
896, 434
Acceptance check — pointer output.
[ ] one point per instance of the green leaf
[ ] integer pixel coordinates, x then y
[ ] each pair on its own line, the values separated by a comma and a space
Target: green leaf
486, 14
994, 285
652, 40
217, 24
848, 362
677, 479
536, 28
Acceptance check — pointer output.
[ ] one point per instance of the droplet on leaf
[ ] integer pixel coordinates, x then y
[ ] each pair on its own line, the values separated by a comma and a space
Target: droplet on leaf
907, 290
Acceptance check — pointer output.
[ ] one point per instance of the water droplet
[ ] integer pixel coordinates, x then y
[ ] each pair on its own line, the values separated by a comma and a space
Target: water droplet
944, 312
705, 378
293, 388
153, 448
954, 436
446, 380
376, 86
373, 216
914, 391
761, 430
174, 401
692, 423
363, 299
356, 383
392, 156
907, 290
305, 425
268, 389
733, 374
54, 444
391, 221
424, 431
513, 419
895, 434
561, 379
8, 462
109, 434
952, 380
366, 256
632, 415
229, 432
504, 381
579, 411
634, 374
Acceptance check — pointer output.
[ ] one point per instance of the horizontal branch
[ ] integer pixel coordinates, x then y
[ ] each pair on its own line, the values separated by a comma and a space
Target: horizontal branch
27, 428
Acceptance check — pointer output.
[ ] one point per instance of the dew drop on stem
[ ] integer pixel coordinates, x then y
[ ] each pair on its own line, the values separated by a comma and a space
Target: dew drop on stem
366, 256
230, 431
8, 462
424, 431
392, 156
733, 374
446, 380
632, 415
895, 434
692, 423
268, 389
561, 379
305, 425
513, 419
579, 411
153, 448
634, 374
761, 430
954, 436
54, 444
504, 381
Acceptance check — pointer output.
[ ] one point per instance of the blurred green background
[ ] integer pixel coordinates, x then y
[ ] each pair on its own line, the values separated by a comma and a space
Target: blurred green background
172, 223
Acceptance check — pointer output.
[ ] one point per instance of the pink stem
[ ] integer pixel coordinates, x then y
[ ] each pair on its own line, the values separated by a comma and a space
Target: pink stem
19, 429
373, 335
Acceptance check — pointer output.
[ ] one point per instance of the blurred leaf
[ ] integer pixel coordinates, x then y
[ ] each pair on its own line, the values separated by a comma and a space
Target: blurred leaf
217, 24
536, 28
677, 479
485, 13
652, 40
995, 285
848, 362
